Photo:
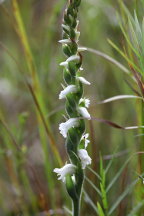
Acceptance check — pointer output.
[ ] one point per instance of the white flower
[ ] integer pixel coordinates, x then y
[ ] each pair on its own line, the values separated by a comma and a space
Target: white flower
73, 58
64, 127
81, 49
86, 102
84, 157
65, 41
83, 80
83, 111
65, 170
85, 138
67, 90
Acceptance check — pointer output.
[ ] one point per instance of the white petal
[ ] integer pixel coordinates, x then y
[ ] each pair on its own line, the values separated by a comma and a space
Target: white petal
81, 68
83, 80
66, 27
77, 35
73, 58
65, 41
67, 90
64, 127
84, 157
65, 170
83, 111
81, 49
65, 64
77, 23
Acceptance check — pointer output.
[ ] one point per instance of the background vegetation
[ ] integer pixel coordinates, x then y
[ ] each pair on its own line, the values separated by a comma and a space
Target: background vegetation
30, 112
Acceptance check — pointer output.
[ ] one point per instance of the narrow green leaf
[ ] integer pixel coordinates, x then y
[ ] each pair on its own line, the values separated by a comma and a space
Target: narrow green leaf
124, 56
122, 196
109, 58
100, 211
94, 187
117, 175
88, 200
95, 173
136, 208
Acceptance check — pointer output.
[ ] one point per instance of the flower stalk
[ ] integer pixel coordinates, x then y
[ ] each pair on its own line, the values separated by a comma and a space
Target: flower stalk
73, 129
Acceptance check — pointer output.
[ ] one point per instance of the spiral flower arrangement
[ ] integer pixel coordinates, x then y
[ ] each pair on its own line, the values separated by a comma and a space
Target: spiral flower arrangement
72, 174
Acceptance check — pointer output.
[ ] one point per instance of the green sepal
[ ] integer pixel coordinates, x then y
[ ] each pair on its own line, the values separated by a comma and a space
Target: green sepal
71, 143
82, 104
82, 144
72, 113
79, 174
65, 35
81, 127
70, 10
67, 76
70, 186
74, 24
70, 148
72, 68
72, 33
73, 47
74, 137
65, 30
77, 3
67, 19
78, 65
71, 100
66, 50
75, 14
80, 90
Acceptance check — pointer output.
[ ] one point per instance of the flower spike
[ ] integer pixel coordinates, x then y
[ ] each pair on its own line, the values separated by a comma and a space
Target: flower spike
76, 106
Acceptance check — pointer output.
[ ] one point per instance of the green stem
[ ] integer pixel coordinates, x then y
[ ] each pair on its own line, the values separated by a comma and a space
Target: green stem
76, 207
142, 138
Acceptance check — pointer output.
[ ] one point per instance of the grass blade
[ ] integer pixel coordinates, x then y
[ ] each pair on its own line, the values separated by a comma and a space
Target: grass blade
109, 58
119, 97
122, 196
136, 208
94, 187
88, 200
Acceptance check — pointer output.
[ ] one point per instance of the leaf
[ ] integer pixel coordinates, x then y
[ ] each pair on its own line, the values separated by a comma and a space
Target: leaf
109, 58
121, 197
102, 185
137, 27
117, 175
95, 173
118, 97
136, 208
124, 56
112, 124
128, 41
94, 187
133, 35
67, 210
109, 164
100, 211
88, 200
